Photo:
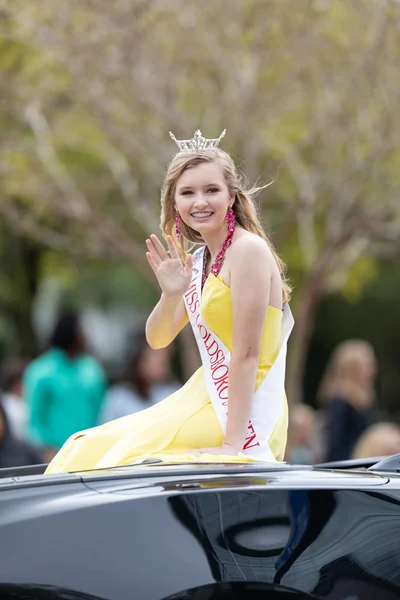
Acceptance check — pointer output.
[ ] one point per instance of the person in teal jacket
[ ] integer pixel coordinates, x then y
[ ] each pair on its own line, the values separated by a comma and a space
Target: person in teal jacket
64, 387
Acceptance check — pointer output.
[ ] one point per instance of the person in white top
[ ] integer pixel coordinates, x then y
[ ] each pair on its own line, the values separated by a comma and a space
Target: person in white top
146, 380
14, 405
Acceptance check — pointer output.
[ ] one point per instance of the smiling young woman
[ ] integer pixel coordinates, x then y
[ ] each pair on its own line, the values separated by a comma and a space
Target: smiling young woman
233, 292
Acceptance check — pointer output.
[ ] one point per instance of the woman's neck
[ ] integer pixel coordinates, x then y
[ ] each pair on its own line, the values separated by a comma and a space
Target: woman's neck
214, 242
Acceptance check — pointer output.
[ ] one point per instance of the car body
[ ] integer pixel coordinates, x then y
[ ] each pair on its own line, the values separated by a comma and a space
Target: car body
201, 532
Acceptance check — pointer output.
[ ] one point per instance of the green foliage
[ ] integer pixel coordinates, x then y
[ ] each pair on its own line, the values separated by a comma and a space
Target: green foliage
361, 274
309, 98
373, 316
97, 282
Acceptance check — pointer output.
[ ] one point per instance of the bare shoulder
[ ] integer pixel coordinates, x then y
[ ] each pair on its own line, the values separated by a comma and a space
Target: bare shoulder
251, 248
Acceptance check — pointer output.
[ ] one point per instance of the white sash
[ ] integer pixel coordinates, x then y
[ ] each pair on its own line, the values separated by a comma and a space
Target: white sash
269, 399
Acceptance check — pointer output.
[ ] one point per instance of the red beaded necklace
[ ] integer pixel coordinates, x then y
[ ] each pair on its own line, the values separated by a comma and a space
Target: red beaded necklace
219, 259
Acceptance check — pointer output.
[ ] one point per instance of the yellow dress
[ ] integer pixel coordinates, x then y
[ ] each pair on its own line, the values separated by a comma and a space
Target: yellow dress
186, 420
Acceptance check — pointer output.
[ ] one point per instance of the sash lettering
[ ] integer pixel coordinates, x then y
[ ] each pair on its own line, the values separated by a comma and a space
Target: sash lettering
215, 356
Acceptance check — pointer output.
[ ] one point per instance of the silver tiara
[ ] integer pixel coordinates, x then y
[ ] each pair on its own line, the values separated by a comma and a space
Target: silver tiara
198, 142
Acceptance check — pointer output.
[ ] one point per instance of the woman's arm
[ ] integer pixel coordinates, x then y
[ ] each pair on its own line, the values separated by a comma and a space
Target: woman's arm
251, 273
167, 319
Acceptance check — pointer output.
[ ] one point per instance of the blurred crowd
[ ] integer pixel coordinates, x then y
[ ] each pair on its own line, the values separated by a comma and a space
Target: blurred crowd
65, 390
344, 424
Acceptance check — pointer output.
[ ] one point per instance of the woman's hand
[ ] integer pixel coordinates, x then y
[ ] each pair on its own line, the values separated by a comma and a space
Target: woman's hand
173, 276
225, 449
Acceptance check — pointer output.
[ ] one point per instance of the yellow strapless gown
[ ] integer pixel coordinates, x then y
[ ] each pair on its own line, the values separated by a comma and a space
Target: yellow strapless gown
186, 420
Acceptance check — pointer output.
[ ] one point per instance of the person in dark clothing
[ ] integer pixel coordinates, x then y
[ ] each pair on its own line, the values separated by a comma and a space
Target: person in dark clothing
13, 451
345, 425
347, 392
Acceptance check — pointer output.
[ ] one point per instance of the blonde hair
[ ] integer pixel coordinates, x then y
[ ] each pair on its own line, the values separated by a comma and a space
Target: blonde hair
243, 207
342, 376
381, 439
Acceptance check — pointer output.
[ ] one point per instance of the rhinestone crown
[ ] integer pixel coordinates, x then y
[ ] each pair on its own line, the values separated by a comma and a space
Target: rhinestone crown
197, 143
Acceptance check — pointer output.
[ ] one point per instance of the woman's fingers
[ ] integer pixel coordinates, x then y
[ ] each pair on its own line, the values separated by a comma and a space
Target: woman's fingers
171, 247
151, 262
188, 264
159, 247
153, 253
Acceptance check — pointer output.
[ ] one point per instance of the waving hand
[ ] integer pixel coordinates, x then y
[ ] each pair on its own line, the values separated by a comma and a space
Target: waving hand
173, 276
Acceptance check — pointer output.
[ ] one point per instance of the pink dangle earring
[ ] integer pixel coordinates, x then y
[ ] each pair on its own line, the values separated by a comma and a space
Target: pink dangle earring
177, 225
230, 219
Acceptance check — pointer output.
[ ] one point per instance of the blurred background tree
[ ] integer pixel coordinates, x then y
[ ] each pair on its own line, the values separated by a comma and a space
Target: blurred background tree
309, 97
